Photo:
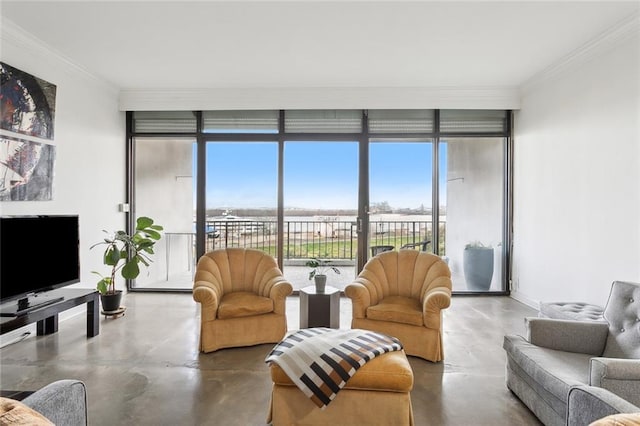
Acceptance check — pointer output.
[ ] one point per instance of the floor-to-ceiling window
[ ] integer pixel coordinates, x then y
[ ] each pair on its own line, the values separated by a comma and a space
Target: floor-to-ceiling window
334, 184
472, 203
241, 195
163, 189
400, 195
320, 209
472, 179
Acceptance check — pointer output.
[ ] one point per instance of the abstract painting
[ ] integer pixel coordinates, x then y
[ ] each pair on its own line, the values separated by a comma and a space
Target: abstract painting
26, 170
27, 103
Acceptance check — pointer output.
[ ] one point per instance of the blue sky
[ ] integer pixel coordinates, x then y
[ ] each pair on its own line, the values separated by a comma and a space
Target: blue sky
319, 174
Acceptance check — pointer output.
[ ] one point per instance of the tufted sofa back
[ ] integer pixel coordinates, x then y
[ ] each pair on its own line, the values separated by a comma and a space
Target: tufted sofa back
623, 315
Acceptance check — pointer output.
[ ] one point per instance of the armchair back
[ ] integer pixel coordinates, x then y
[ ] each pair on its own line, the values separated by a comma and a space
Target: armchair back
622, 312
239, 269
407, 273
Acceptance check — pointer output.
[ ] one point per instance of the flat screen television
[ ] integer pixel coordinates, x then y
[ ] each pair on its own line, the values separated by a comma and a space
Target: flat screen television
37, 254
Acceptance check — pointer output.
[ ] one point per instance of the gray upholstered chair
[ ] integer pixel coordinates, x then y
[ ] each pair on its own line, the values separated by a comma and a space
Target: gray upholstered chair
422, 244
63, 402
558, 355
376, 250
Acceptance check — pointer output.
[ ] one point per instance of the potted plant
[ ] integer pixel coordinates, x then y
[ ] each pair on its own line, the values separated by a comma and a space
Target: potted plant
318, 273
124, 253
478, 266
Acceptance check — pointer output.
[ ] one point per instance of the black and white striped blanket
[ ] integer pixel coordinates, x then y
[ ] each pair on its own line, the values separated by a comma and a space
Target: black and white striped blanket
321, 360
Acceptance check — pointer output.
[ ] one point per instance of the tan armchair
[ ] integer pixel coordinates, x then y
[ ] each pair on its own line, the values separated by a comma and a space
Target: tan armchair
402, 293
242, 293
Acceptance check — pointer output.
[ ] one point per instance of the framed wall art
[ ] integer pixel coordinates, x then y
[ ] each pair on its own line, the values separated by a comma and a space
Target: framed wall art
26, 134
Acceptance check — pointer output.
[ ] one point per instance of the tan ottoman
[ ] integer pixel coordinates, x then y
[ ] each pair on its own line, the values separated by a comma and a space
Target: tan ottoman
379, 393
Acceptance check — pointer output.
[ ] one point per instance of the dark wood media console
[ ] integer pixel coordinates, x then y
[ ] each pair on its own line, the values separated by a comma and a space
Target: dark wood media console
47, 316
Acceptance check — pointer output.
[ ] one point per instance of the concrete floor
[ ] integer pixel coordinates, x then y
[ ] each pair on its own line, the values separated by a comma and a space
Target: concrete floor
145, 368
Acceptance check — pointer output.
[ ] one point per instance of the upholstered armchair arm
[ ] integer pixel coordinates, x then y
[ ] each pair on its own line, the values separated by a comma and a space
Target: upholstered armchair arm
63, 402
208, 295
585, 337
620, 376
435, 299
360, 298
279, 292
589, 403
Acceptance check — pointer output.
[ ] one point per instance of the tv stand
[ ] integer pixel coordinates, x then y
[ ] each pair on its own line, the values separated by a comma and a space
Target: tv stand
45, 311
28, 304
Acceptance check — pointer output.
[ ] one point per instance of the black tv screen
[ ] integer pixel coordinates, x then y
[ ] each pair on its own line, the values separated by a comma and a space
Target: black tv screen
38, 253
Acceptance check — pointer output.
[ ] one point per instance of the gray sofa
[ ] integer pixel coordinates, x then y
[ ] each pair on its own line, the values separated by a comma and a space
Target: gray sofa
558, 355
63, 402
590, 403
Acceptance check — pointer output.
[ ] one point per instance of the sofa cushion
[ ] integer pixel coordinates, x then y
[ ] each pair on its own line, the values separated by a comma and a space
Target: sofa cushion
242, 304
16, 413
554, 371
576, 311
400, 309
386, 372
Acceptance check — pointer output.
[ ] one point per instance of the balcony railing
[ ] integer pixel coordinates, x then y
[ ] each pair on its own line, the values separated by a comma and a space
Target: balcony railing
332, 239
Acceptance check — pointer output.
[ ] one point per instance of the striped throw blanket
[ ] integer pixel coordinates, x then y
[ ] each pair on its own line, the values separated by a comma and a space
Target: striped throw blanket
321, 360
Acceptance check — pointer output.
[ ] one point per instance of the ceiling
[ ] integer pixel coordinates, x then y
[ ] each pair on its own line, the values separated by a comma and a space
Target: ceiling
300, 44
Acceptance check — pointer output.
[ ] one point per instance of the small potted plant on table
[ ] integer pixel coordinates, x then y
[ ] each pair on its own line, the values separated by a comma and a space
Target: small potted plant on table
318, 273
125, 252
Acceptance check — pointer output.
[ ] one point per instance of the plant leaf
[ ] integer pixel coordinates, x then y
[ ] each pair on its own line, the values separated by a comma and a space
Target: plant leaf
143, 222
131, 269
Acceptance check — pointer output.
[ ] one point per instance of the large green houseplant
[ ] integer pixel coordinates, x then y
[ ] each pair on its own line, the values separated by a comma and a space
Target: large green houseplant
124, 253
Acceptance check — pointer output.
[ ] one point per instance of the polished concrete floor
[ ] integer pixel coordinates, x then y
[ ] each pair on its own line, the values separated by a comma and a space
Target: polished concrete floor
145, 369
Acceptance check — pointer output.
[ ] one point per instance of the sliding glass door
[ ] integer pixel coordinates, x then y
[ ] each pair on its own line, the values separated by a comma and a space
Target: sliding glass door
165, 171
320, 209
471, 210
400, 194
241, 195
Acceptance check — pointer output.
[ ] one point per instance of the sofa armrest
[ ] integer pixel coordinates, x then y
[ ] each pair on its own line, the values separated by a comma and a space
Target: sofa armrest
590, 403
64, 402
278, 293
586, 337
360, 298
208, 297
435, 300
620, 376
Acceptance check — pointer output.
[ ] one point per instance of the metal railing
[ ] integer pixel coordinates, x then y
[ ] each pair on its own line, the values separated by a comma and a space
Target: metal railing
332, 239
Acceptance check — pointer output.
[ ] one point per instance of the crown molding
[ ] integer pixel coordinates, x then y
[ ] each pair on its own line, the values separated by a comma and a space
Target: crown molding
321, 98
15, 35
620, 33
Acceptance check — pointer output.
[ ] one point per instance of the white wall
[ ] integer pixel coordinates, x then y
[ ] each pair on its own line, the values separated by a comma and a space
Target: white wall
577, 180
89, 170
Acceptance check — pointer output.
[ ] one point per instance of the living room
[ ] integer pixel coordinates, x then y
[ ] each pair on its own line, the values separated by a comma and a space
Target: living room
573, 87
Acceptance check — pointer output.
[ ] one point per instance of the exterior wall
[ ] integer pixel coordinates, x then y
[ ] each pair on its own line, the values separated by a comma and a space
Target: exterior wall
577, 181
